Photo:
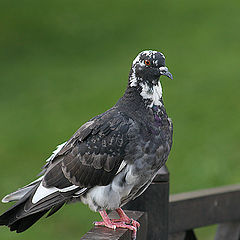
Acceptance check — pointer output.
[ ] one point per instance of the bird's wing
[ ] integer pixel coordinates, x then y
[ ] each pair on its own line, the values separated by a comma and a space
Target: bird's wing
93, 155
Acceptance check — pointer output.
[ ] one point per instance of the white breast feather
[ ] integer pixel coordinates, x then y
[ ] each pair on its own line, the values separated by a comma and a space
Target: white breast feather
154, 94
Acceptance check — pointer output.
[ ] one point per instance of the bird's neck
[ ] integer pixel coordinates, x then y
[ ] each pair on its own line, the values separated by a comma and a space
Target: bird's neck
143, 96
150, 91
151, 95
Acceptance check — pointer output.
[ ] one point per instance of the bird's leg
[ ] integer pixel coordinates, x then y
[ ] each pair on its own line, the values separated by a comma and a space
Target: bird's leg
125, 219
107, 222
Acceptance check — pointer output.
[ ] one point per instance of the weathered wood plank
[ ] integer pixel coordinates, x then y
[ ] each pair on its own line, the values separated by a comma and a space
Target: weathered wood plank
229, 231
204, 207
103, 233
177, 236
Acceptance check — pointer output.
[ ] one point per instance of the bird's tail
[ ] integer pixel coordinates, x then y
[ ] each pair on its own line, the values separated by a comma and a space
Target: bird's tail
27, 210
17, 195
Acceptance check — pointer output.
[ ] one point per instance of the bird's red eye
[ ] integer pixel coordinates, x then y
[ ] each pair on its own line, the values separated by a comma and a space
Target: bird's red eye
147, 62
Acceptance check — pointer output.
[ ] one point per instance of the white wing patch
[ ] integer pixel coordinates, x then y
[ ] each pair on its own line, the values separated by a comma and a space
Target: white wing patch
123, 164
70, 188
43, 192
80, 191
55, 152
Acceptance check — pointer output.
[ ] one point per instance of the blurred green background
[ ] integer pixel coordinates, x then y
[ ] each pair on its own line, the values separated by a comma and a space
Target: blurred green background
63, 62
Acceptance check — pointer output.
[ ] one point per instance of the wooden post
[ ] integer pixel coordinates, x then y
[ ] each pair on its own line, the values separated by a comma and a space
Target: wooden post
230, 231
187, 235
154, 201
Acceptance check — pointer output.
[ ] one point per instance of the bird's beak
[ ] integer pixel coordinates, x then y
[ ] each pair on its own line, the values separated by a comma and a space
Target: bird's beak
164, 71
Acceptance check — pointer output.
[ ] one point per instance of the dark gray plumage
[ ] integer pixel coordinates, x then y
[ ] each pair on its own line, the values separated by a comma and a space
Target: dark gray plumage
111, 159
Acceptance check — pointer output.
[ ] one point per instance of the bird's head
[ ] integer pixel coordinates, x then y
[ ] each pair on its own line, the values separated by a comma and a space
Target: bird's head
147, 68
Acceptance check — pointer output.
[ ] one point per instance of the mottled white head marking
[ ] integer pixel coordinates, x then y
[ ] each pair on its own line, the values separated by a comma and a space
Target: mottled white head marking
133, 78
139, 60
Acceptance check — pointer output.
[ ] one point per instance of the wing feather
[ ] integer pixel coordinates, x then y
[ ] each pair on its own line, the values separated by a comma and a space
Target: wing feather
94, 154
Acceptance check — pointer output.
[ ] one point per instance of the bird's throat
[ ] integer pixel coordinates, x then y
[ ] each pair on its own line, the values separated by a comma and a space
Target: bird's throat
152, 95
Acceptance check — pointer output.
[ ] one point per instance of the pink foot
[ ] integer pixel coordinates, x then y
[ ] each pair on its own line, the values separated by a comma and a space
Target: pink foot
114, 225
128, 221
124, 218
122, 222
108, 225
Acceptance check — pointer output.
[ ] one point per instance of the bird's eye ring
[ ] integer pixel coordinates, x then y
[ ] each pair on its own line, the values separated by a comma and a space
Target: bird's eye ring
147, 62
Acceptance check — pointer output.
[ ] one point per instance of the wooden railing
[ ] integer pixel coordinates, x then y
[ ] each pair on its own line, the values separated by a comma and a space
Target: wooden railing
175, 217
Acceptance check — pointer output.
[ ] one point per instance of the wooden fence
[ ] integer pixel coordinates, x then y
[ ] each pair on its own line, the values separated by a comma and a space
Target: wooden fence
175, 217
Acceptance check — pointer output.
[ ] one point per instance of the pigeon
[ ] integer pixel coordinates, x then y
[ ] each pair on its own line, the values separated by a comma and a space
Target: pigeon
110, 160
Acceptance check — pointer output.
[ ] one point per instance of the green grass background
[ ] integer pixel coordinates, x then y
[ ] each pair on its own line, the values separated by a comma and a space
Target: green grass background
63, 62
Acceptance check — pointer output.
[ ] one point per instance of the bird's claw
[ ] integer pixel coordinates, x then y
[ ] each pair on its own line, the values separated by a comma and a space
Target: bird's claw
116, 224
108, 225
135, 223
128, 221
